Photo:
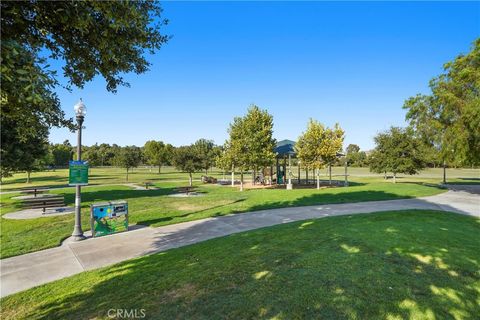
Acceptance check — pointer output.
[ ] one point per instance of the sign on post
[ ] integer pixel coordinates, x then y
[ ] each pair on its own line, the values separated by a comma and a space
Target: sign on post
78, 173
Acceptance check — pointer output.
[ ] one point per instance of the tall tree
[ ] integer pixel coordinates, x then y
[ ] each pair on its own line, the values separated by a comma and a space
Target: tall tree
62, 154
107, 38
352, 148
449, 118
155, 153
128, 157
331, 145
236, 147
227, 160
92, 155
30, 154
355, 157
251, 143
206, 151
106, 153
187, 159
258, 125
397, 151
318, 146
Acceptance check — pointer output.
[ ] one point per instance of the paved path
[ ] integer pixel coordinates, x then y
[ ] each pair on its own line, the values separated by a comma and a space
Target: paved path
29, 270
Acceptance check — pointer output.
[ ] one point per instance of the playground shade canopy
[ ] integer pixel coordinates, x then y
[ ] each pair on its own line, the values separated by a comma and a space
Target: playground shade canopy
285, 148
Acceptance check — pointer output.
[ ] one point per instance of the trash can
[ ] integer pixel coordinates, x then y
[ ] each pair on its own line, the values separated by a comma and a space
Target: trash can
108, 217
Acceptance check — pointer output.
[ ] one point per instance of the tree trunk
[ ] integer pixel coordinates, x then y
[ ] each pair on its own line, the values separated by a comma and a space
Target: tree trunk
394, 177
299, 180
318, 178
233, 176
206, 172
346, 174
190, 179
159, 168
306, 177
241, 180
127, 174
28, 176
330, 173
385, 175
271, 175
444, 172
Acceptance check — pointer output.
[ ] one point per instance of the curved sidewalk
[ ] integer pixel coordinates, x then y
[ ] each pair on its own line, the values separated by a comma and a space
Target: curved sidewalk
33, 269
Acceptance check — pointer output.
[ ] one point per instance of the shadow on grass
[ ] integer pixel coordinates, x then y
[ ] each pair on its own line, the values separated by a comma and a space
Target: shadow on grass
392, 265
111, 195
34, 179
190, 213
465, 181
328, 198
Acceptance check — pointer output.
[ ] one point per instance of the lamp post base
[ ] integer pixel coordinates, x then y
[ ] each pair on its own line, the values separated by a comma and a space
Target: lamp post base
78, 237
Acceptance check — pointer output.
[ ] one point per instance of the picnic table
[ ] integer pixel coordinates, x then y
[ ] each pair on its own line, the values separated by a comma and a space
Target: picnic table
186, 190
34, 190
43, 202
148, 184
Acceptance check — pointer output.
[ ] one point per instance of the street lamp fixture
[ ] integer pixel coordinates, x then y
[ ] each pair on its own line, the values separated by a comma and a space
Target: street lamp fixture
80, 112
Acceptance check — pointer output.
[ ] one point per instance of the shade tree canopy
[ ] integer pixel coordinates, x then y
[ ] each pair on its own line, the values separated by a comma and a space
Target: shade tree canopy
448, 119
158, 153
251, 143
355, 157
90, 38
207, 151
397, 151
188, 159
62, 153
318, 146
128, 157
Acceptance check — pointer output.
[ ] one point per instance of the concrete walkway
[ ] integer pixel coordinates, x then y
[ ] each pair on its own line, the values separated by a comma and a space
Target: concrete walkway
33, 269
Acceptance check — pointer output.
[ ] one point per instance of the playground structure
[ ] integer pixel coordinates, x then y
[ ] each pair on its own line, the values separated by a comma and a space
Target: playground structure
282, 174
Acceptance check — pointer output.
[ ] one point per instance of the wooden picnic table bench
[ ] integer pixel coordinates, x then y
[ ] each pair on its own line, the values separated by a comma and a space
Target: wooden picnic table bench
34, 190
148, 184
43, 202
186, 190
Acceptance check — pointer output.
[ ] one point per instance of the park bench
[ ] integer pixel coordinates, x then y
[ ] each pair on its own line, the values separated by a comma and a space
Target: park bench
35, 191
43, 202
186, 190
148, 184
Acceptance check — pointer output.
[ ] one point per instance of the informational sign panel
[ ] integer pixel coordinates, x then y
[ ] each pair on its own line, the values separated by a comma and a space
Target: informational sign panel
78, 173
108, 217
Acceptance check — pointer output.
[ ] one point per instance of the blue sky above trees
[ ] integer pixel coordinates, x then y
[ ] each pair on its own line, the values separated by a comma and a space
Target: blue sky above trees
352, 63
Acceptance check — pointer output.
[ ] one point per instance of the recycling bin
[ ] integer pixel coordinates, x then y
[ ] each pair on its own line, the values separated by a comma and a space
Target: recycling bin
108, 217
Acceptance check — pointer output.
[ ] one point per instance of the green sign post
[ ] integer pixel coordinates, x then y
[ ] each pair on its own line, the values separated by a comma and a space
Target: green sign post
78, 173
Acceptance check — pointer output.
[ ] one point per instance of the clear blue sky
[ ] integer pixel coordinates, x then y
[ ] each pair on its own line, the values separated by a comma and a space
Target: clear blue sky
352, 63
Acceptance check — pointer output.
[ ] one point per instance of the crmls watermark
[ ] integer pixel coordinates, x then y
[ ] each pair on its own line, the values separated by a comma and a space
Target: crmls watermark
126, 313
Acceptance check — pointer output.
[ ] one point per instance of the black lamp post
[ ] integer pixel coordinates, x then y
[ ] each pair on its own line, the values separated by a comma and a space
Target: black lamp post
80, 112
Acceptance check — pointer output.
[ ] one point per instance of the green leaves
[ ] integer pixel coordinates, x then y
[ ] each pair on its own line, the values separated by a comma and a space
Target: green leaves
319, 145
157, 153
128, 157
397, 151
107, 38
187, 159
251, 142
449, 118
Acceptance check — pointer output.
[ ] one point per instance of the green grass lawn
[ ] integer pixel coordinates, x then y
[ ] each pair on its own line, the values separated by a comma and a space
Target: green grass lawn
393, 265
99, 176
155, 208
107, 175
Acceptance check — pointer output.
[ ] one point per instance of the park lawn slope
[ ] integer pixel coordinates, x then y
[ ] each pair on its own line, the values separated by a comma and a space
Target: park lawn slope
156, 208
390, 265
